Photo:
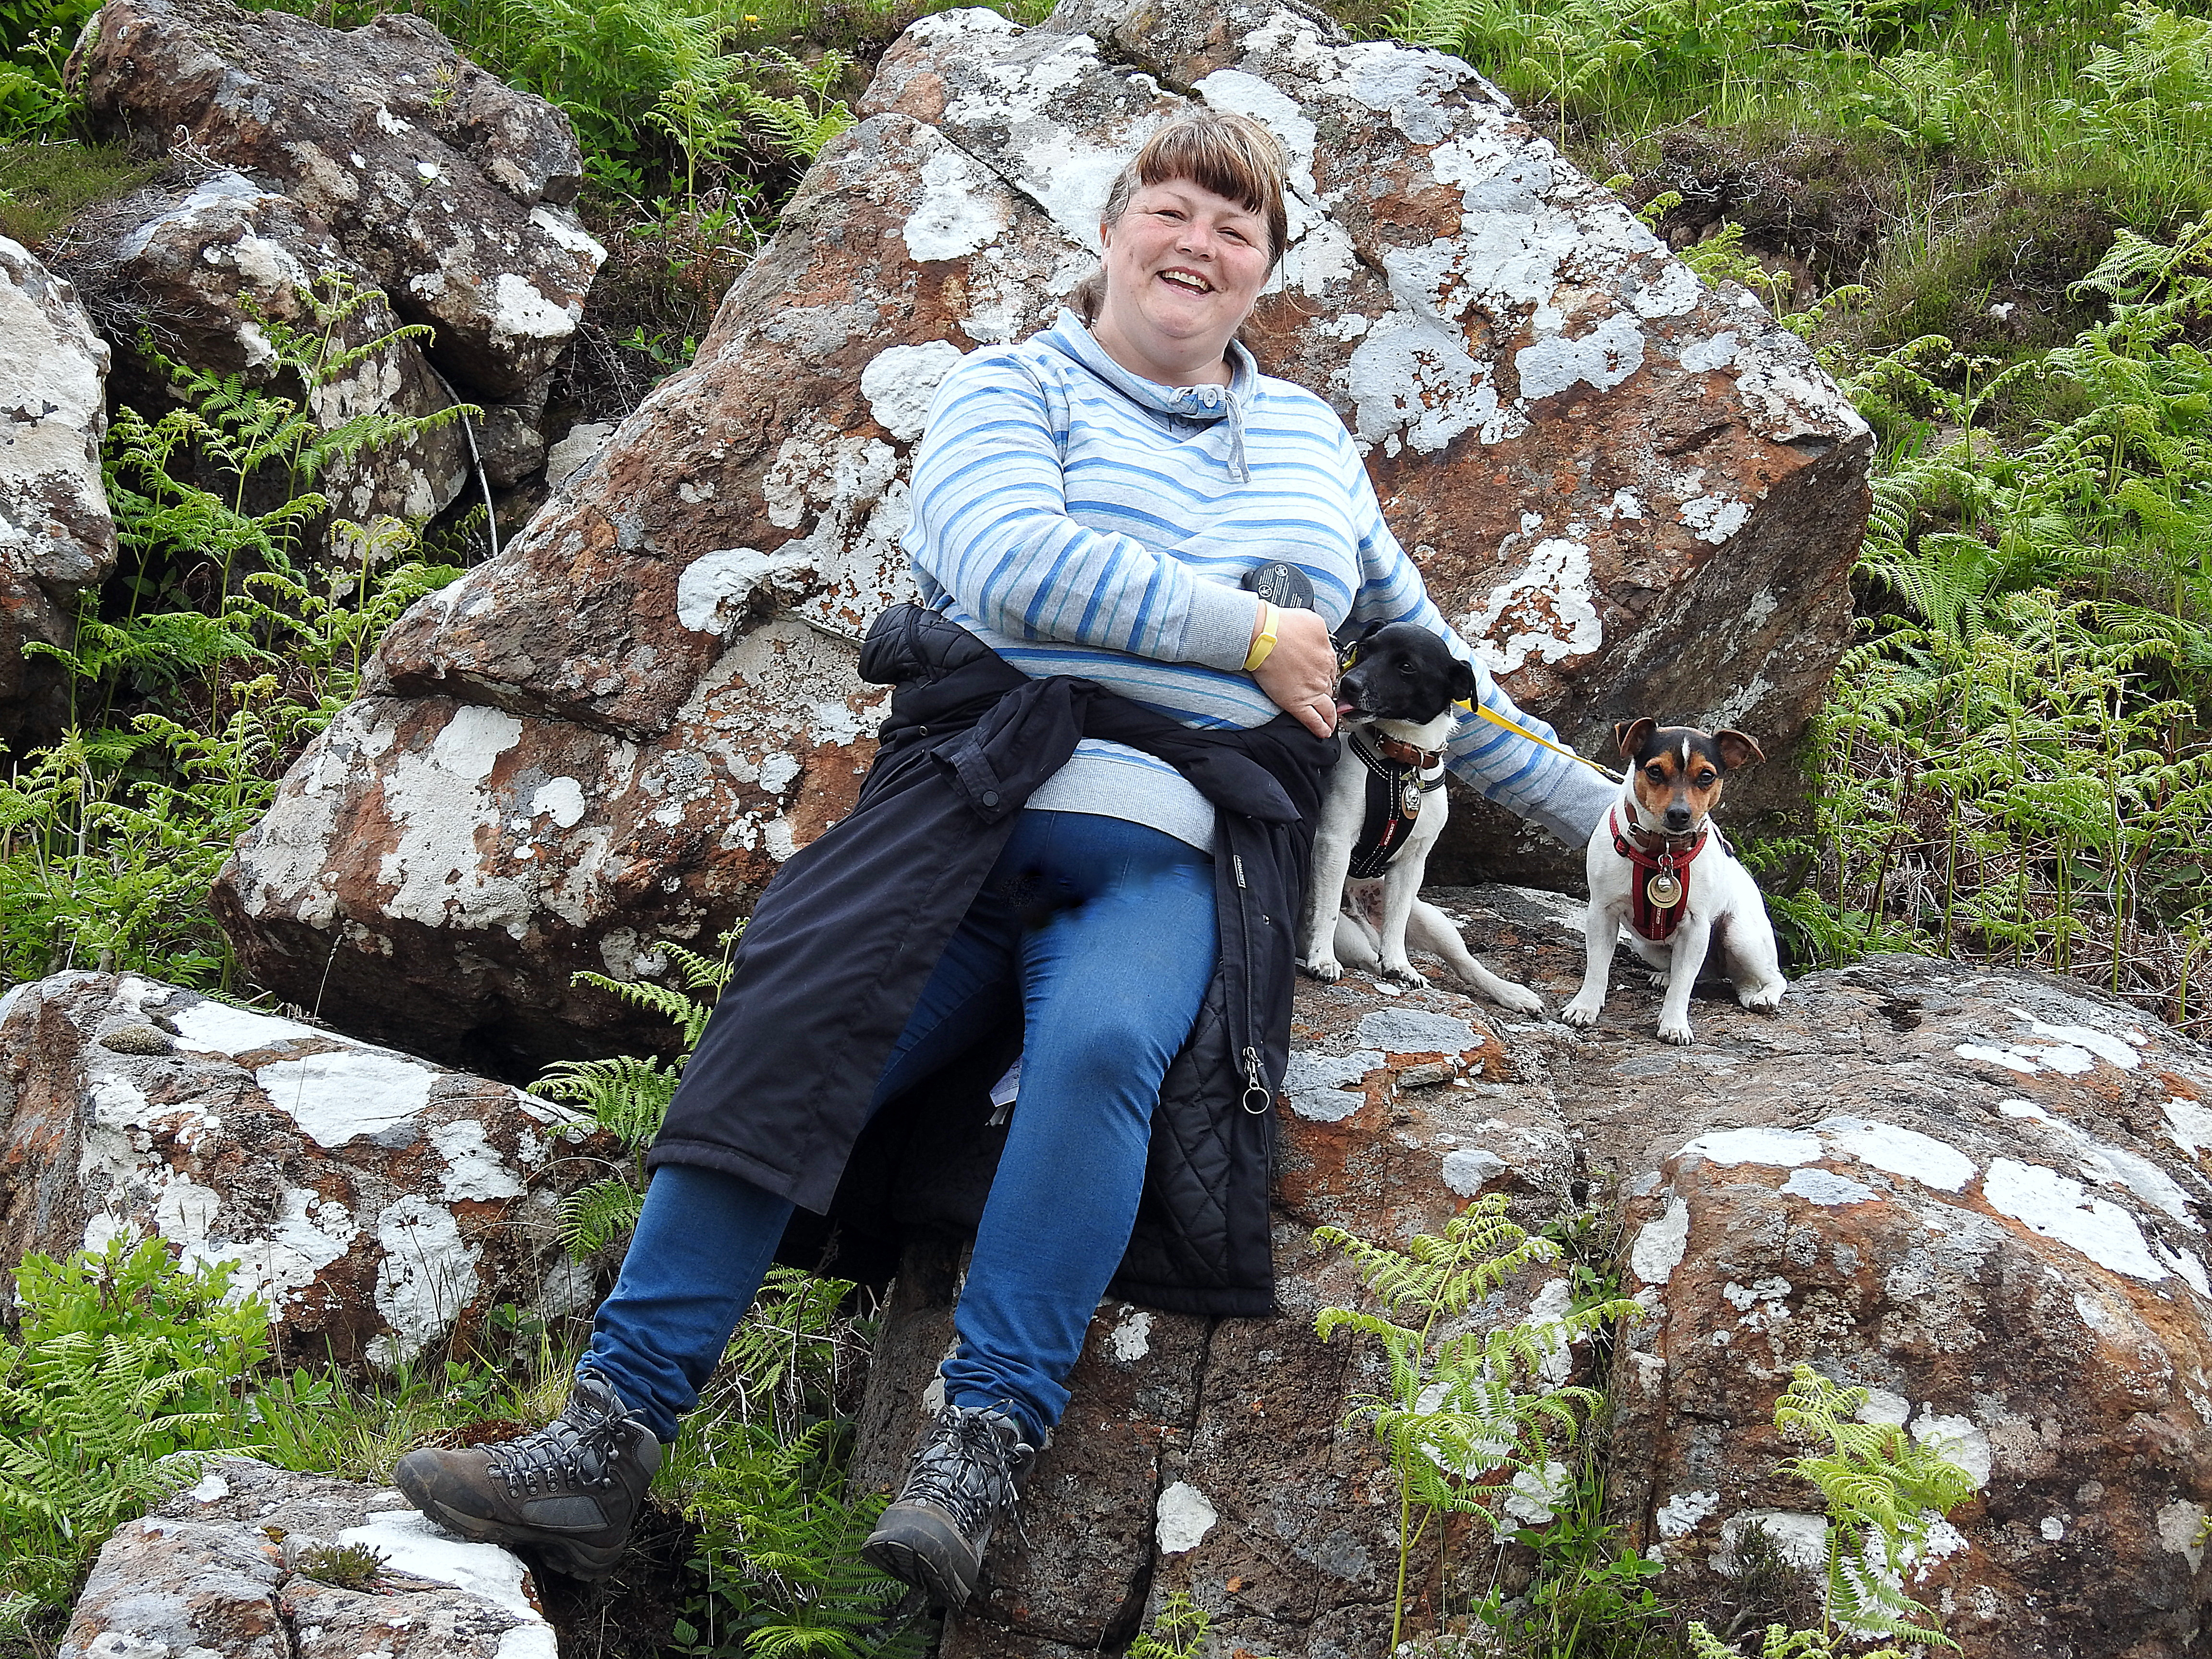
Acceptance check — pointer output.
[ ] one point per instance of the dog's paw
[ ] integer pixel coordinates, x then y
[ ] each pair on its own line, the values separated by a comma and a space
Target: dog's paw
1657, 978
1327, 969
1516, 999
1676, 1032
1763, 999
1404, 972
1580, 1014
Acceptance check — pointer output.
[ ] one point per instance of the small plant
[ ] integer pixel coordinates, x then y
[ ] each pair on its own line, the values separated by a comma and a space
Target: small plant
1885, 1495
121, 1383
1471, 1417
627, 1096
1178, 1632
349, 1566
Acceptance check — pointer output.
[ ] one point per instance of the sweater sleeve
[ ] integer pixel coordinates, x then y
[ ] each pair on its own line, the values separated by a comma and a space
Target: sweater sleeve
1564, 796
990, 527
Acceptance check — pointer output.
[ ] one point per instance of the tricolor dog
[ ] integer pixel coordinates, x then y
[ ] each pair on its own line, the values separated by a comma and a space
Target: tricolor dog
1384, 809
1659, 868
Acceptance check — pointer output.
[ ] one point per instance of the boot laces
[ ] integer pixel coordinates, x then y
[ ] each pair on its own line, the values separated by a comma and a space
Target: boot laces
966, 1470
576, 1448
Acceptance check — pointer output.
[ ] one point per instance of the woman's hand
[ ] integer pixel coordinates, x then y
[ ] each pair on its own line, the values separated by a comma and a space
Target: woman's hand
1300, 674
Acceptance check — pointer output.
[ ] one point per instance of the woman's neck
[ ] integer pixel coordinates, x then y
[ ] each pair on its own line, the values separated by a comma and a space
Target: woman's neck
1191, 368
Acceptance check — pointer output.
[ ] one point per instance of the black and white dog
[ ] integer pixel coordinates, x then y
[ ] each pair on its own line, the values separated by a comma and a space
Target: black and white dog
1384, 809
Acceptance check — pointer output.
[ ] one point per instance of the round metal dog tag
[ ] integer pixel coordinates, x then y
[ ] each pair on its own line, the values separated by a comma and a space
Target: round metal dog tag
1664, 889
1409, 795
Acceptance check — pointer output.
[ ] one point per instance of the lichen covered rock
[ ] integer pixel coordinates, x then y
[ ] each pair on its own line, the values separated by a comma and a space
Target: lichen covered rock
376, 1202
56, 537
450, 189
224, 1570
1637, 494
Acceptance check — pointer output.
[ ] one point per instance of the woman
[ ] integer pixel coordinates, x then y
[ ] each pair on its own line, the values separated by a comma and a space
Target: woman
1087, 821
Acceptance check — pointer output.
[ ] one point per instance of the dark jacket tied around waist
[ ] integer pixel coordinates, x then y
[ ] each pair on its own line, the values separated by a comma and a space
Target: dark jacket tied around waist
842, 941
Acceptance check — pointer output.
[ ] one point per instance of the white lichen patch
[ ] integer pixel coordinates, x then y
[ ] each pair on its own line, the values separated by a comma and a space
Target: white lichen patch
2049, 1204
1782, 1149
437, 801
1468, 1170
1182, 1518
1899, 1151
717, 588
1714, 518
1679, 1517
1959, 1439
209, 1027
2181, 1530
1602, 359
1412, 381
2188, 1124
410, 1544
1316, 1083
1827, 1188
427, 1275
1132, 1340
1546, 612
474, 1167
963, 209
900, 381
1800, 1539
345, 1092
1536, 1495
2112, 1050
1660, 1244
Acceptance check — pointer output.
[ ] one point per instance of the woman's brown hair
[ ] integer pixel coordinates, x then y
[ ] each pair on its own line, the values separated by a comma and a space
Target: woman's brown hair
1232, 156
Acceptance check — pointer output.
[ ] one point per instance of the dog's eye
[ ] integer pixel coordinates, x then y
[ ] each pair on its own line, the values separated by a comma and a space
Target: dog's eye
1705, 779
1657, 774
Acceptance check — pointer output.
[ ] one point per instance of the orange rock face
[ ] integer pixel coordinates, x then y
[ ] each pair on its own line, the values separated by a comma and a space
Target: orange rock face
1636, 494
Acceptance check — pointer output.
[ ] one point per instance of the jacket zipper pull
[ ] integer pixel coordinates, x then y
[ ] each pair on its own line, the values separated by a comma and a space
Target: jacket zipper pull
1255, 1086
1237, 863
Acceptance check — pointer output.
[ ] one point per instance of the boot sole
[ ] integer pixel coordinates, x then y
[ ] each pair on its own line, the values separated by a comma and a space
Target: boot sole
918, 1547
590, 1563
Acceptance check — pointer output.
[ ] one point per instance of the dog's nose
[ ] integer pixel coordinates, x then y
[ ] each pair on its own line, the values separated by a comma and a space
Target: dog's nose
1678, 817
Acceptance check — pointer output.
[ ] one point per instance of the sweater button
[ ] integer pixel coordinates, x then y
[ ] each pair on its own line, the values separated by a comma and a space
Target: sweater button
990, 798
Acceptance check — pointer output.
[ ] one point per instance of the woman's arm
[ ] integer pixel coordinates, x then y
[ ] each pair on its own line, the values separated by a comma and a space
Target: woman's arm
990, 526
1564, 796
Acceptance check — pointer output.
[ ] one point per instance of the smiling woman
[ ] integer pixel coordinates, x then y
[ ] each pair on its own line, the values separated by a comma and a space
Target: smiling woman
1093, 802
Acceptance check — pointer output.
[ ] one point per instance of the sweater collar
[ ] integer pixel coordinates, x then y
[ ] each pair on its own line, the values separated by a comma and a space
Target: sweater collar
1192, 403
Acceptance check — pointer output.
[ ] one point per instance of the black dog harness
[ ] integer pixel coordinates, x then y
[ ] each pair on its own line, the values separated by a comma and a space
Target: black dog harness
1659, 889
1398, 776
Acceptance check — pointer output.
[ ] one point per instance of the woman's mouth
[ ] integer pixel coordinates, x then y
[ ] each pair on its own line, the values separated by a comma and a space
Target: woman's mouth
1189, 282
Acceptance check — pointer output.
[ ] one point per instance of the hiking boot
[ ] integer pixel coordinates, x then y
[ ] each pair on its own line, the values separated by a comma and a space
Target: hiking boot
570, 1490
962, 1482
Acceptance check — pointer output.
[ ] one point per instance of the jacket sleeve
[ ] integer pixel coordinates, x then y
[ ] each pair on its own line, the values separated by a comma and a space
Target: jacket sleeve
1564, 796
990, 526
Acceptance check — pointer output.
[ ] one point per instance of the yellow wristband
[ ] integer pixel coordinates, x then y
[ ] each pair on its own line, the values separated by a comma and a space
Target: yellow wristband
1263, 643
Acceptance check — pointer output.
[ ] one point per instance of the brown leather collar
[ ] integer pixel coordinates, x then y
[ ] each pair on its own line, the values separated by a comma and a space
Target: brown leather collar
1652, 842
1404, 754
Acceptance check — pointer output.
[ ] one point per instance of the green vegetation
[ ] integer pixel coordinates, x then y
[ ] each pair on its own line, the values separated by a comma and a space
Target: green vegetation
1471, 1417
1993, 222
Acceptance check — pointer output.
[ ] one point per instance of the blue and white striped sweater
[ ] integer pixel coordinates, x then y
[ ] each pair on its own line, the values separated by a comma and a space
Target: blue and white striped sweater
1083, 520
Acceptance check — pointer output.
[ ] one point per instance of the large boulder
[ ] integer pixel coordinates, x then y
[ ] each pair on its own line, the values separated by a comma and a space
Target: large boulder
1639, 494
1983, 1197
1979, 1194
1210, 1455
450, 189
56, 537
226, 1569
211, 265
377, 1203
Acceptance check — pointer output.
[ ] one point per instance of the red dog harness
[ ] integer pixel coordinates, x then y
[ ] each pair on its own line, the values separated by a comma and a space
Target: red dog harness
1661, 887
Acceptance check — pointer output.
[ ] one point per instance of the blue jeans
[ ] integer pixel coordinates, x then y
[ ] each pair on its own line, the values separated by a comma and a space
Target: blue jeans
1107, 927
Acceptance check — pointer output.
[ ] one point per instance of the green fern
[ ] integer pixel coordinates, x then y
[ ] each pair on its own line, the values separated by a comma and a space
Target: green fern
1466, 1413
627, 1095
1178, 1631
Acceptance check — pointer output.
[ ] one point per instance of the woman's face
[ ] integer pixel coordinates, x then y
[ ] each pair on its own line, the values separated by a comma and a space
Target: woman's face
1183, 268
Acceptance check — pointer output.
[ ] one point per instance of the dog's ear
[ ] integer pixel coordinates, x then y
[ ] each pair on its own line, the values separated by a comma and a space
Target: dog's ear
1737, 751
1462, 681
1631, 735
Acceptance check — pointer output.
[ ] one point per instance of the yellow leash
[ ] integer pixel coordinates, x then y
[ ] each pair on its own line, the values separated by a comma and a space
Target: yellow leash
1351, 655
1515, 727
